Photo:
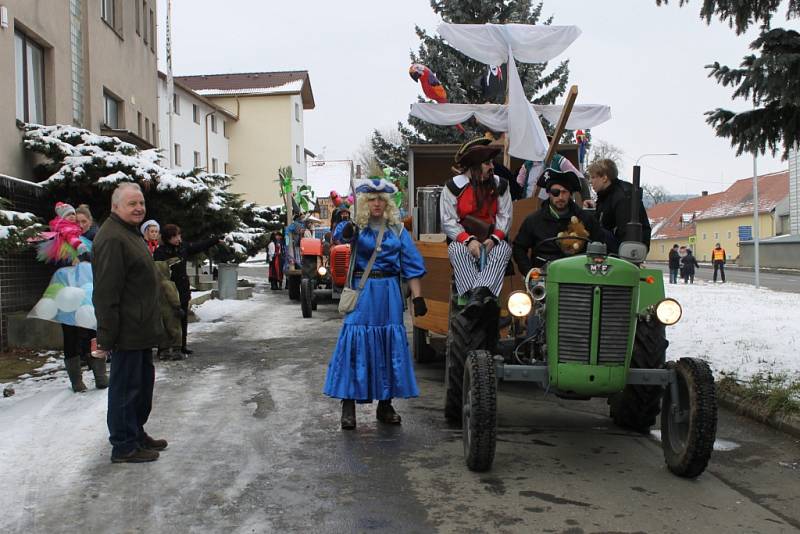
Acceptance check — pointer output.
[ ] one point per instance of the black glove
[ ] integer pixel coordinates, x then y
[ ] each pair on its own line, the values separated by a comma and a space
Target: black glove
420, 308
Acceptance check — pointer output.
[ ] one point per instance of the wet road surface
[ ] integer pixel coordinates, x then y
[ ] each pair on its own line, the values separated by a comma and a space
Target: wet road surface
255, 447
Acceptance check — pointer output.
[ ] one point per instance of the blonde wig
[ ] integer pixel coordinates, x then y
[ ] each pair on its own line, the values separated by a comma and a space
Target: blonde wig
391, 214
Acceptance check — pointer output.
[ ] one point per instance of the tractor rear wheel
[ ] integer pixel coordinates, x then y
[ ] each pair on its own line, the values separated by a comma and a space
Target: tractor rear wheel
689, 423
464, 335
637, 407
479, 413
306, 296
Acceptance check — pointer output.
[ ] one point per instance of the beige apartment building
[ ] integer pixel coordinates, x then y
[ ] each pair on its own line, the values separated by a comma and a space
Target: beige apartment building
89, 63
269, 131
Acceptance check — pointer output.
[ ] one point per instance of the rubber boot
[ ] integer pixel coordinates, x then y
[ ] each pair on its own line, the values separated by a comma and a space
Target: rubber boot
98, 367
73, 367
386, 414
348, 414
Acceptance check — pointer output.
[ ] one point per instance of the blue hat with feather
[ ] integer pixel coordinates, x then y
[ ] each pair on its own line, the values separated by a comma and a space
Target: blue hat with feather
375, 185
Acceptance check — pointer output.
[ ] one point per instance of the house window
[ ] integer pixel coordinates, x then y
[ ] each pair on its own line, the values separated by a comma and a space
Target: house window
147, 129
297, 152
138, 18
196, 113
214, 165
225, 129
214, 123
662, 248
76, 52
152, 31
30, 79
108, 12
729, 235
196, 160
176, 104
139, 123
111, 116
144, 22
225, 166
177, 156
716, 235
155, 137
297, 112
704, 237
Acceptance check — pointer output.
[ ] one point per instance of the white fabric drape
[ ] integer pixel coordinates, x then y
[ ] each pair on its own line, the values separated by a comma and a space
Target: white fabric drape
495, 116
495, 44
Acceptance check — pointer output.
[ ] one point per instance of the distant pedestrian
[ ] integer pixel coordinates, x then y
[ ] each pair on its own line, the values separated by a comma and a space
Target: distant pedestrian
718, 258
674, 264
169, 348
689, 263
151, 232
128, 324
275, 253
172, 246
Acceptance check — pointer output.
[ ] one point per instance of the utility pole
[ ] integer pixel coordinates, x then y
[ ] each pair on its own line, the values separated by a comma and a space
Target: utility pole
756, 231
170, 88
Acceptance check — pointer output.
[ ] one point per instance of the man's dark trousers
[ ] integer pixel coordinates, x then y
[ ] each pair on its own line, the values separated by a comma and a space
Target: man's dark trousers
719, 264
130, 398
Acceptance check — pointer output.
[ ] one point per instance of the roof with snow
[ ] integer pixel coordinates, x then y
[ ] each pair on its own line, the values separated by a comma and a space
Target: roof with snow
737, 200
326, 176
676, 219
253, 84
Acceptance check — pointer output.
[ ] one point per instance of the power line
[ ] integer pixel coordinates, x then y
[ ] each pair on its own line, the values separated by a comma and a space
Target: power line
691, 179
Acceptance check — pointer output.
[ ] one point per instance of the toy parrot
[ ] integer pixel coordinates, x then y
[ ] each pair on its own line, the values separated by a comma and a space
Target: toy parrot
431, 85
583, 140
336, 200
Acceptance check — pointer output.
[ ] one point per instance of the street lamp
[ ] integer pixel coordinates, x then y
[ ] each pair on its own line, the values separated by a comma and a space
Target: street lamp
633, 230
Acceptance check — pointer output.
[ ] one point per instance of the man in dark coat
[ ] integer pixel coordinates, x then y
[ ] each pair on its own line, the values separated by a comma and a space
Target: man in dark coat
614, 204
553, 217
126, 303
674, 264
172, 246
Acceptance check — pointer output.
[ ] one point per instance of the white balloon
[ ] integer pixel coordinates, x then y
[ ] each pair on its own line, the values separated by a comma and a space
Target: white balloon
84, 317
44, 309
70, 298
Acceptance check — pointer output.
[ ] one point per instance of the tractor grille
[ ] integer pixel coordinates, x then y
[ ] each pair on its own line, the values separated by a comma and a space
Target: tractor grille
615, 317
575, 323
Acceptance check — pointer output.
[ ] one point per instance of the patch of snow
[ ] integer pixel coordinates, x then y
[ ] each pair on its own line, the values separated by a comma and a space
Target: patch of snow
722, 445
294, 86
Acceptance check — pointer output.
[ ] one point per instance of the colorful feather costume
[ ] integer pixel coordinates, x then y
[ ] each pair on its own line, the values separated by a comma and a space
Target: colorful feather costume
60, 245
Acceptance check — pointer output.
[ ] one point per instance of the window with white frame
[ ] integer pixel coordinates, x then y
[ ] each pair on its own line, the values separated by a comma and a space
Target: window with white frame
152, 31
138, 18
145, 36
214, 165
197, 163
111, 111
29, 67
176, 104
155, 136
225, 129
297, 112
176, 156
716, 235
225, 166
196, 113
108, 12
139, 123
297, 153
214, 123
729, 235
146, 129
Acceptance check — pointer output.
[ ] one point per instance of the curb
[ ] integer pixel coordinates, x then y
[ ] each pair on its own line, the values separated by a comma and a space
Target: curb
788, 424
733, 267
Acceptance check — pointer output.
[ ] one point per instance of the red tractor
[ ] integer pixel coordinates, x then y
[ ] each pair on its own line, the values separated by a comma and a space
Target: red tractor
323, 273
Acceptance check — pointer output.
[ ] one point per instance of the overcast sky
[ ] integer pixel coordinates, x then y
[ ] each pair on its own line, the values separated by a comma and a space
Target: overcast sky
646, 62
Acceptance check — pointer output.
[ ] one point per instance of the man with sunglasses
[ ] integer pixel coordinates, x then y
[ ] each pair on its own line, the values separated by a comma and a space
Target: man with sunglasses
531, 248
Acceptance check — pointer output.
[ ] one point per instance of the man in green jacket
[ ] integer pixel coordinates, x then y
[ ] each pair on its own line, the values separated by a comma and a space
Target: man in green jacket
126, 303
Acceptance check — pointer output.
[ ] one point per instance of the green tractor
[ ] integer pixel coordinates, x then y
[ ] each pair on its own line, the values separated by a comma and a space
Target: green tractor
591, 325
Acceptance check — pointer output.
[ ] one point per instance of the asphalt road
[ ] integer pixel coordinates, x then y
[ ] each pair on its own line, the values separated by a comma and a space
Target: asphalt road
779, 281
256, 447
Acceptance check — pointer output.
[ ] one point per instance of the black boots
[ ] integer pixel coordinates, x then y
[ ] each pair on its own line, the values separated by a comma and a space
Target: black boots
98, 367
73, 367
386, 414
348, 414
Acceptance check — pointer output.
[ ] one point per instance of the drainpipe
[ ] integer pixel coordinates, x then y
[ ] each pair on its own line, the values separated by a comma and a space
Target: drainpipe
208, 161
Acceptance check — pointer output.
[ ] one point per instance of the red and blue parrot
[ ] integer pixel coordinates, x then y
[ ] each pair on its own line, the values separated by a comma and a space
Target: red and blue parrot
431, 85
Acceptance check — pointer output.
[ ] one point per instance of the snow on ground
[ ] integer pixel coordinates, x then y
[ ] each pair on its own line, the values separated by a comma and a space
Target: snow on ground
736, 328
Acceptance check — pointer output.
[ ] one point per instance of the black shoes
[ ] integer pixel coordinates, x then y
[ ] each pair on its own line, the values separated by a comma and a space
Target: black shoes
153, 444
186, 350
386, 414
348, 414
479, 298
136, 456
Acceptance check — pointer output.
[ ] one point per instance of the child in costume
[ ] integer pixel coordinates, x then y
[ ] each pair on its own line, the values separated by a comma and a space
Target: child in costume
371, 360
171, 312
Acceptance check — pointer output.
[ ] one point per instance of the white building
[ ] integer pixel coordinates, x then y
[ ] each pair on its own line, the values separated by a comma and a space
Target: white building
199, 129
324, 176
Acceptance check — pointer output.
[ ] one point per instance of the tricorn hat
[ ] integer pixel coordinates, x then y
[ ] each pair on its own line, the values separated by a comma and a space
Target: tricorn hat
476, 151
568, 179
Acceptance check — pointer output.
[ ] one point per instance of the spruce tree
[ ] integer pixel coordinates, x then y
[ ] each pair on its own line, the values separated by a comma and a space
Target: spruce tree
460, 75
769, 78
16, 228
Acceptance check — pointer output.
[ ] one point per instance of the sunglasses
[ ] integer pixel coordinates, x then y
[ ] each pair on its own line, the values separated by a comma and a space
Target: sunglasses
557, 191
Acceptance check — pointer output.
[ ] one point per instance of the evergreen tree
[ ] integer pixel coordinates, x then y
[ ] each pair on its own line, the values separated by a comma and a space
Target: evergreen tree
769, 78
460, 75
15, 228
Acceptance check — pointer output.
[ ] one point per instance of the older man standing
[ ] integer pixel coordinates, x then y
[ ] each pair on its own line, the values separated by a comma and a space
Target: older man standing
126, 303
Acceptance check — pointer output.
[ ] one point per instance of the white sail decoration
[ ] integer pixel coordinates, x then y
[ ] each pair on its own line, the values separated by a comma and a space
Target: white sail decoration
495, 44
495, 116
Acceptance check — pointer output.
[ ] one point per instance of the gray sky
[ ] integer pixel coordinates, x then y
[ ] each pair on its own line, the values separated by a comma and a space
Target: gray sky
646, 62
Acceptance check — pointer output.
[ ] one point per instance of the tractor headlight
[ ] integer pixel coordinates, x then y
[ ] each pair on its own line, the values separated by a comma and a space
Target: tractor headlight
519, 304
668, 312
322, 270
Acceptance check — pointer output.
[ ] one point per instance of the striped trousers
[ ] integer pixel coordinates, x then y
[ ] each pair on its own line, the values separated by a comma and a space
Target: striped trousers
465, 267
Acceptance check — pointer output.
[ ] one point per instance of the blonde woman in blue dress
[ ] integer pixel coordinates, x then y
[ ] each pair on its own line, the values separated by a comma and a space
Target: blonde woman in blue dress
371, 360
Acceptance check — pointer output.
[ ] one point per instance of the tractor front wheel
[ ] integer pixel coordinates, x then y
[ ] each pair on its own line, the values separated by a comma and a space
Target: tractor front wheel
637, 407
306, 296
293, 284
479, 412
464, 335
689, 421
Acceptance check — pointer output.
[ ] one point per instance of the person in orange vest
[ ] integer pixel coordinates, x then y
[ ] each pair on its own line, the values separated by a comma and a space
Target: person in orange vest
718, 259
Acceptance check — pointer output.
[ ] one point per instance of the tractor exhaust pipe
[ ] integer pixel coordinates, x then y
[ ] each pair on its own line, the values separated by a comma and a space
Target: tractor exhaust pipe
633, 230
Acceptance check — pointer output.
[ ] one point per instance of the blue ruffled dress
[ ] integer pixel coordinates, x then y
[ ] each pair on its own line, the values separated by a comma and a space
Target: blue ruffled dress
371, 360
